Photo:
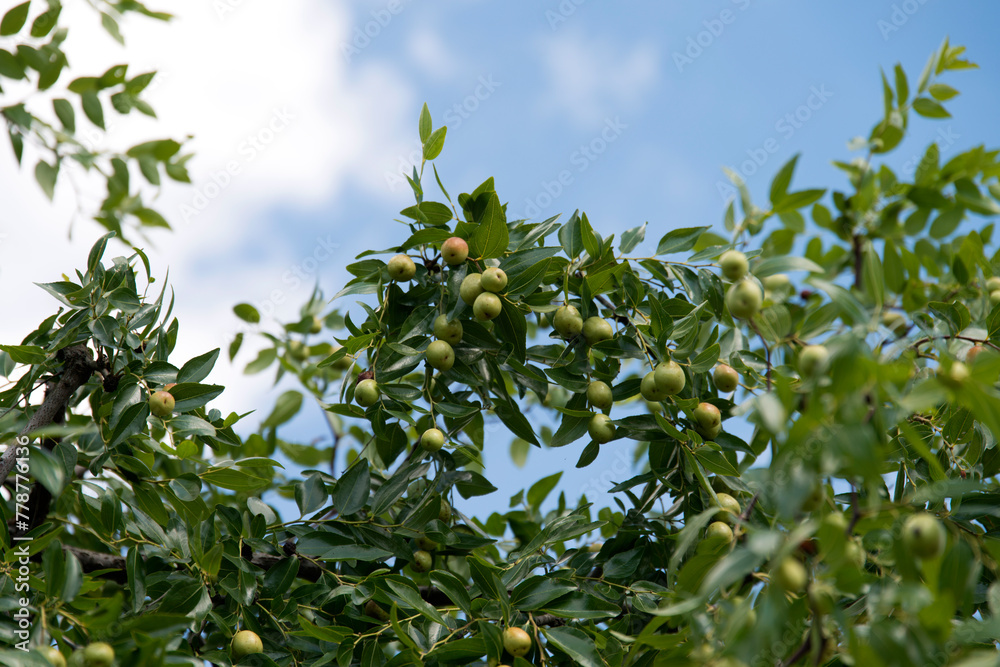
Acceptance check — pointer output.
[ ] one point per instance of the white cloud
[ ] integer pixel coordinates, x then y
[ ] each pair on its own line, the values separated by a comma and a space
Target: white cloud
429, 52
590, 79
258, 73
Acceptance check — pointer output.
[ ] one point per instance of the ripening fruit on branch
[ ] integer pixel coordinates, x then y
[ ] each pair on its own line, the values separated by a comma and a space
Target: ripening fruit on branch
493, 280
601, 429
973, 352
995, 297
367, 393
726, 378
895, 322
298, 350
734, 265
487, 306
402, 268
444, 514
422, 561
454, 251
567, 321
649, 390
790, 575
427, 544
596, 330
373, 609
669, 378
55, 658
743, 299
730, 506
923, 535
432, 439
777, 282
813, 361
517, 642
955, 376
440, 355
316, 326
822, 597
600, 395
993, 284
100, 654
719, 531
246, 642
471, 288
161, 403
708, 420
447, 330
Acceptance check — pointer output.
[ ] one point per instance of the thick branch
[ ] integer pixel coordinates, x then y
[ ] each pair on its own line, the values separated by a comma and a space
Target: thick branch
78, 366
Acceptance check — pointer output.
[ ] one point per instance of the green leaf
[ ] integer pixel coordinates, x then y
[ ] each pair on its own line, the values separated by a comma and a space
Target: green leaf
64, 111
454, 588
902, 86
717, 463
247, 313
579, 646
679, 240
353, 488
537, 591
929, 108
797, 200
25, 354
10, 67
46, 175
424, 124
197, 369
779, 186
632, 238
14, 19
491, 237
92, 108
785, 264
581, 606
435, 143
286, 407
541, 489
233, 479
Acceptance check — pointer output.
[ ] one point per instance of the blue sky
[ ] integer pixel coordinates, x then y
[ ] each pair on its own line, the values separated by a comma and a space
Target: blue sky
635, 106
678, 91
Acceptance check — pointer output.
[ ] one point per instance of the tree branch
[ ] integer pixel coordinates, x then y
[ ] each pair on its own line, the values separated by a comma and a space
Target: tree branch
78, 366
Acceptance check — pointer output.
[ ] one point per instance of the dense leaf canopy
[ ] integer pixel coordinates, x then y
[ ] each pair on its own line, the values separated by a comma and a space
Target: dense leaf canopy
851, 339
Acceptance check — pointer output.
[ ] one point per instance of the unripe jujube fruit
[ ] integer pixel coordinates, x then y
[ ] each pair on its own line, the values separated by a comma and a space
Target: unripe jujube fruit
246, 642
402, 268
708, 420
448, 330
924, 536
649, 390
813, 361
472, 287
596, 330
454, 251
734, 265
601, 429
517, 642
600, 395
422, 561
487, 306
367, 393
432, 439
161, 403
567, 321
730, 506
440, 355
493, 280
726, 378
669, 378
790, 575
744, 299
